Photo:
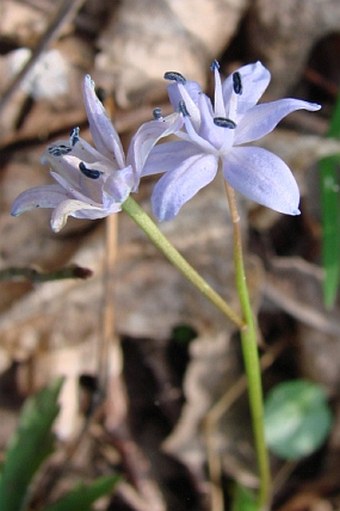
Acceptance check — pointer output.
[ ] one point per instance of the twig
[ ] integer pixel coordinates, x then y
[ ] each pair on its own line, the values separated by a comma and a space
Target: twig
66, 11
37, 276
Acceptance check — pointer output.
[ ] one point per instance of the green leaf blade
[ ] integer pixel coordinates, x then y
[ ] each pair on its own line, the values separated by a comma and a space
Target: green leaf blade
330, 228
330, 212
30, 445
81, 497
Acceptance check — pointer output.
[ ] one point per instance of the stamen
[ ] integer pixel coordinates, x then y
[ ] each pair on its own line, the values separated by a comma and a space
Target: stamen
157, 114
74, 136
90, 173
183, 109
237, 83
223, 122
173, 75
215, 65
59, 150
219, 108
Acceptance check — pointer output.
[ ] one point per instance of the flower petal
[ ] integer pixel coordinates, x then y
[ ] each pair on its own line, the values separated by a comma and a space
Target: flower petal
75, 208
262, 177
217, 136
117, 188
188, 92
147, 136
166, 157
48, 196
263, 118
177, 187
102, 130
255, 79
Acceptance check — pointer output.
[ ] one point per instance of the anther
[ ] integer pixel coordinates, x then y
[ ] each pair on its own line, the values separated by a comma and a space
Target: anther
223, 122
157, 114
215, 65
59, 150
173, 75
183, 109
237, 83
74, 136
91, 173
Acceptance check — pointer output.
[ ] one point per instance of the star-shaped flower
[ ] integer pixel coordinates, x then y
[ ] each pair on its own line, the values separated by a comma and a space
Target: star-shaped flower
92, 182
214, 135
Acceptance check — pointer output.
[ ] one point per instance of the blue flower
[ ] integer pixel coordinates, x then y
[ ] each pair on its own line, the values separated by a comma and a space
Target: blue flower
215, 135
92, 182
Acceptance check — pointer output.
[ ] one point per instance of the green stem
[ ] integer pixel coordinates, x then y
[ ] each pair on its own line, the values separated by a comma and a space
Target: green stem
251, 358
143, 220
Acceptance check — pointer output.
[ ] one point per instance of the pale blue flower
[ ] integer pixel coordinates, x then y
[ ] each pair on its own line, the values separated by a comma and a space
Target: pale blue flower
92, 182
214, 135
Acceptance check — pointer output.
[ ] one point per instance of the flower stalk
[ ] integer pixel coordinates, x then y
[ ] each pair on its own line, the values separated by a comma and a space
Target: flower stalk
250, 357
142, 219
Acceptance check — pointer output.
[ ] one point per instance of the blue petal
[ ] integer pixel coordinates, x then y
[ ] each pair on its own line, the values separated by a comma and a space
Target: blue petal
263, 118
217, 136
168, 156
117, 187
177, 187
104, 134
48, 196
75, 208
189, 93
147, 137
255, 79
262, 177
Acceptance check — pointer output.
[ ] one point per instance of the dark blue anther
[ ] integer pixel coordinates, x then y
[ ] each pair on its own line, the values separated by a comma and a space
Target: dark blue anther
157, 114
74, 136
215, 65
183, 109
59, 150
237, 83
173, 75
91, 173
223, 122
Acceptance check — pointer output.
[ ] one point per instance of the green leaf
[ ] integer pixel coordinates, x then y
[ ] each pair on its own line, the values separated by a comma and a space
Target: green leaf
81, 498
297, 419
330, 206
30, 445
244, 500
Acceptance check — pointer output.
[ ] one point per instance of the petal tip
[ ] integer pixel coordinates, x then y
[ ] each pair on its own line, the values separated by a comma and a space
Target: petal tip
296, 212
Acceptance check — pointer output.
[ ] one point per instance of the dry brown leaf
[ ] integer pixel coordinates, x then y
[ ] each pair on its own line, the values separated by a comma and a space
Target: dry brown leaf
282, 34
295, 286
146, 38
213, 370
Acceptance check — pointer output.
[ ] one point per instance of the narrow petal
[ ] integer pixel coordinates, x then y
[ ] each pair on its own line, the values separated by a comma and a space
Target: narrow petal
48, 196
219, 107
177, 187
60, 148
166, 157
189, 93
75, 208
255, 79
262, 177
104, 134
263, 118
147, 137
79, 192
